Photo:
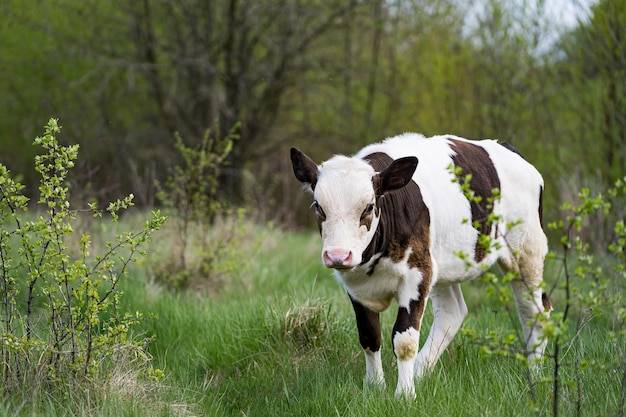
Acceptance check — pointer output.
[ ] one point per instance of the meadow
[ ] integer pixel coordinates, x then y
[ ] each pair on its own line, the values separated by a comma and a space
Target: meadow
277, 338
216, 314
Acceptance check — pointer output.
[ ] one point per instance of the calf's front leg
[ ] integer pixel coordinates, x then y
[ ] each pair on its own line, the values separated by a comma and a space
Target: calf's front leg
405, 339
368, 325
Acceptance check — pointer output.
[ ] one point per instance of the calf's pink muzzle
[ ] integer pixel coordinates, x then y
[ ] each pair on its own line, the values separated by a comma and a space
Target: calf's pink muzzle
337, 258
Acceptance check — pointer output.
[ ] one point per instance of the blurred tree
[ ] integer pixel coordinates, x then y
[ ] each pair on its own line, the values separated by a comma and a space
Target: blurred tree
597, 51
228, 60
51, 59
328, 75
149, 69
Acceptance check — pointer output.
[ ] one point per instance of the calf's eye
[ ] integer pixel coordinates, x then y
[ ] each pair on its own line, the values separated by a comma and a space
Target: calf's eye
319, 212
368, 210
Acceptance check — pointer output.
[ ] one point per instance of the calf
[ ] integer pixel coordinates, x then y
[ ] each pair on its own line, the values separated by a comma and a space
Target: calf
394, 221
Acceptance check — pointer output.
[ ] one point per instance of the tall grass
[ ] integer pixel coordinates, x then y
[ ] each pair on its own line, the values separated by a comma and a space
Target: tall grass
280, 340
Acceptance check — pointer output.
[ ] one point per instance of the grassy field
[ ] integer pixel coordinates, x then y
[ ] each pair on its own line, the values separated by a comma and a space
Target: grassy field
278, 338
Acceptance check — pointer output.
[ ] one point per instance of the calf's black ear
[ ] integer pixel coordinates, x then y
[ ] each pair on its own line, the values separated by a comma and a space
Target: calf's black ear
304, 168
396, 175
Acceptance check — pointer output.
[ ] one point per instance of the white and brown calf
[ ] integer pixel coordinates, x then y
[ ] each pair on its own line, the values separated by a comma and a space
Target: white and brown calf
393, 223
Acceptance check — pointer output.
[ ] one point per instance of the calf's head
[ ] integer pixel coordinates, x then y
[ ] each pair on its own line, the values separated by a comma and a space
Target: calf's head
347, 197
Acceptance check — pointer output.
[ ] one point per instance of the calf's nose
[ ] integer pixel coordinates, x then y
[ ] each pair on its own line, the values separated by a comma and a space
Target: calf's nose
337, 258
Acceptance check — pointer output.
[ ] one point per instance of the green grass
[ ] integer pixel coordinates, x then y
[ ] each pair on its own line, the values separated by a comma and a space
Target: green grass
280, 340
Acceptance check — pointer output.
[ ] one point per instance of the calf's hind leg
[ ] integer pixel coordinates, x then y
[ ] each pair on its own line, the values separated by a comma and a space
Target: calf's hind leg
533, 305
449, 310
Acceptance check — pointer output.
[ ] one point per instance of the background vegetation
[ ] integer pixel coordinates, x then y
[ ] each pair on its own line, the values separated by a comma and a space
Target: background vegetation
190, 106
329, 76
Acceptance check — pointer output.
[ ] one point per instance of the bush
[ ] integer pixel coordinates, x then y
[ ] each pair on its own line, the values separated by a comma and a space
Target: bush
61, 322
203, 253
589, 288
593, 285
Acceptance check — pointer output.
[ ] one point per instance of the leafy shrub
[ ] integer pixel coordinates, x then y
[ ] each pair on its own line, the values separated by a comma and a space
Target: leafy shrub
590, 287
593, 286
203, 252
61, 321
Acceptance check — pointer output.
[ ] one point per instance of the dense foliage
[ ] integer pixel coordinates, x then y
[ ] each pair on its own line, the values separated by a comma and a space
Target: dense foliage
62, 323
330, 75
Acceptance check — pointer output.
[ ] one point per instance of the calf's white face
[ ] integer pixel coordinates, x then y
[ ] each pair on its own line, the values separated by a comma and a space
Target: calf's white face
345, 203
346, 193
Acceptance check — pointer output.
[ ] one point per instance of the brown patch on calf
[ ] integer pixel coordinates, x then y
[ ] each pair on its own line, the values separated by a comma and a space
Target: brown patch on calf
473, 159
367, 222
404, 224
412, 317
418, 258
404, 221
